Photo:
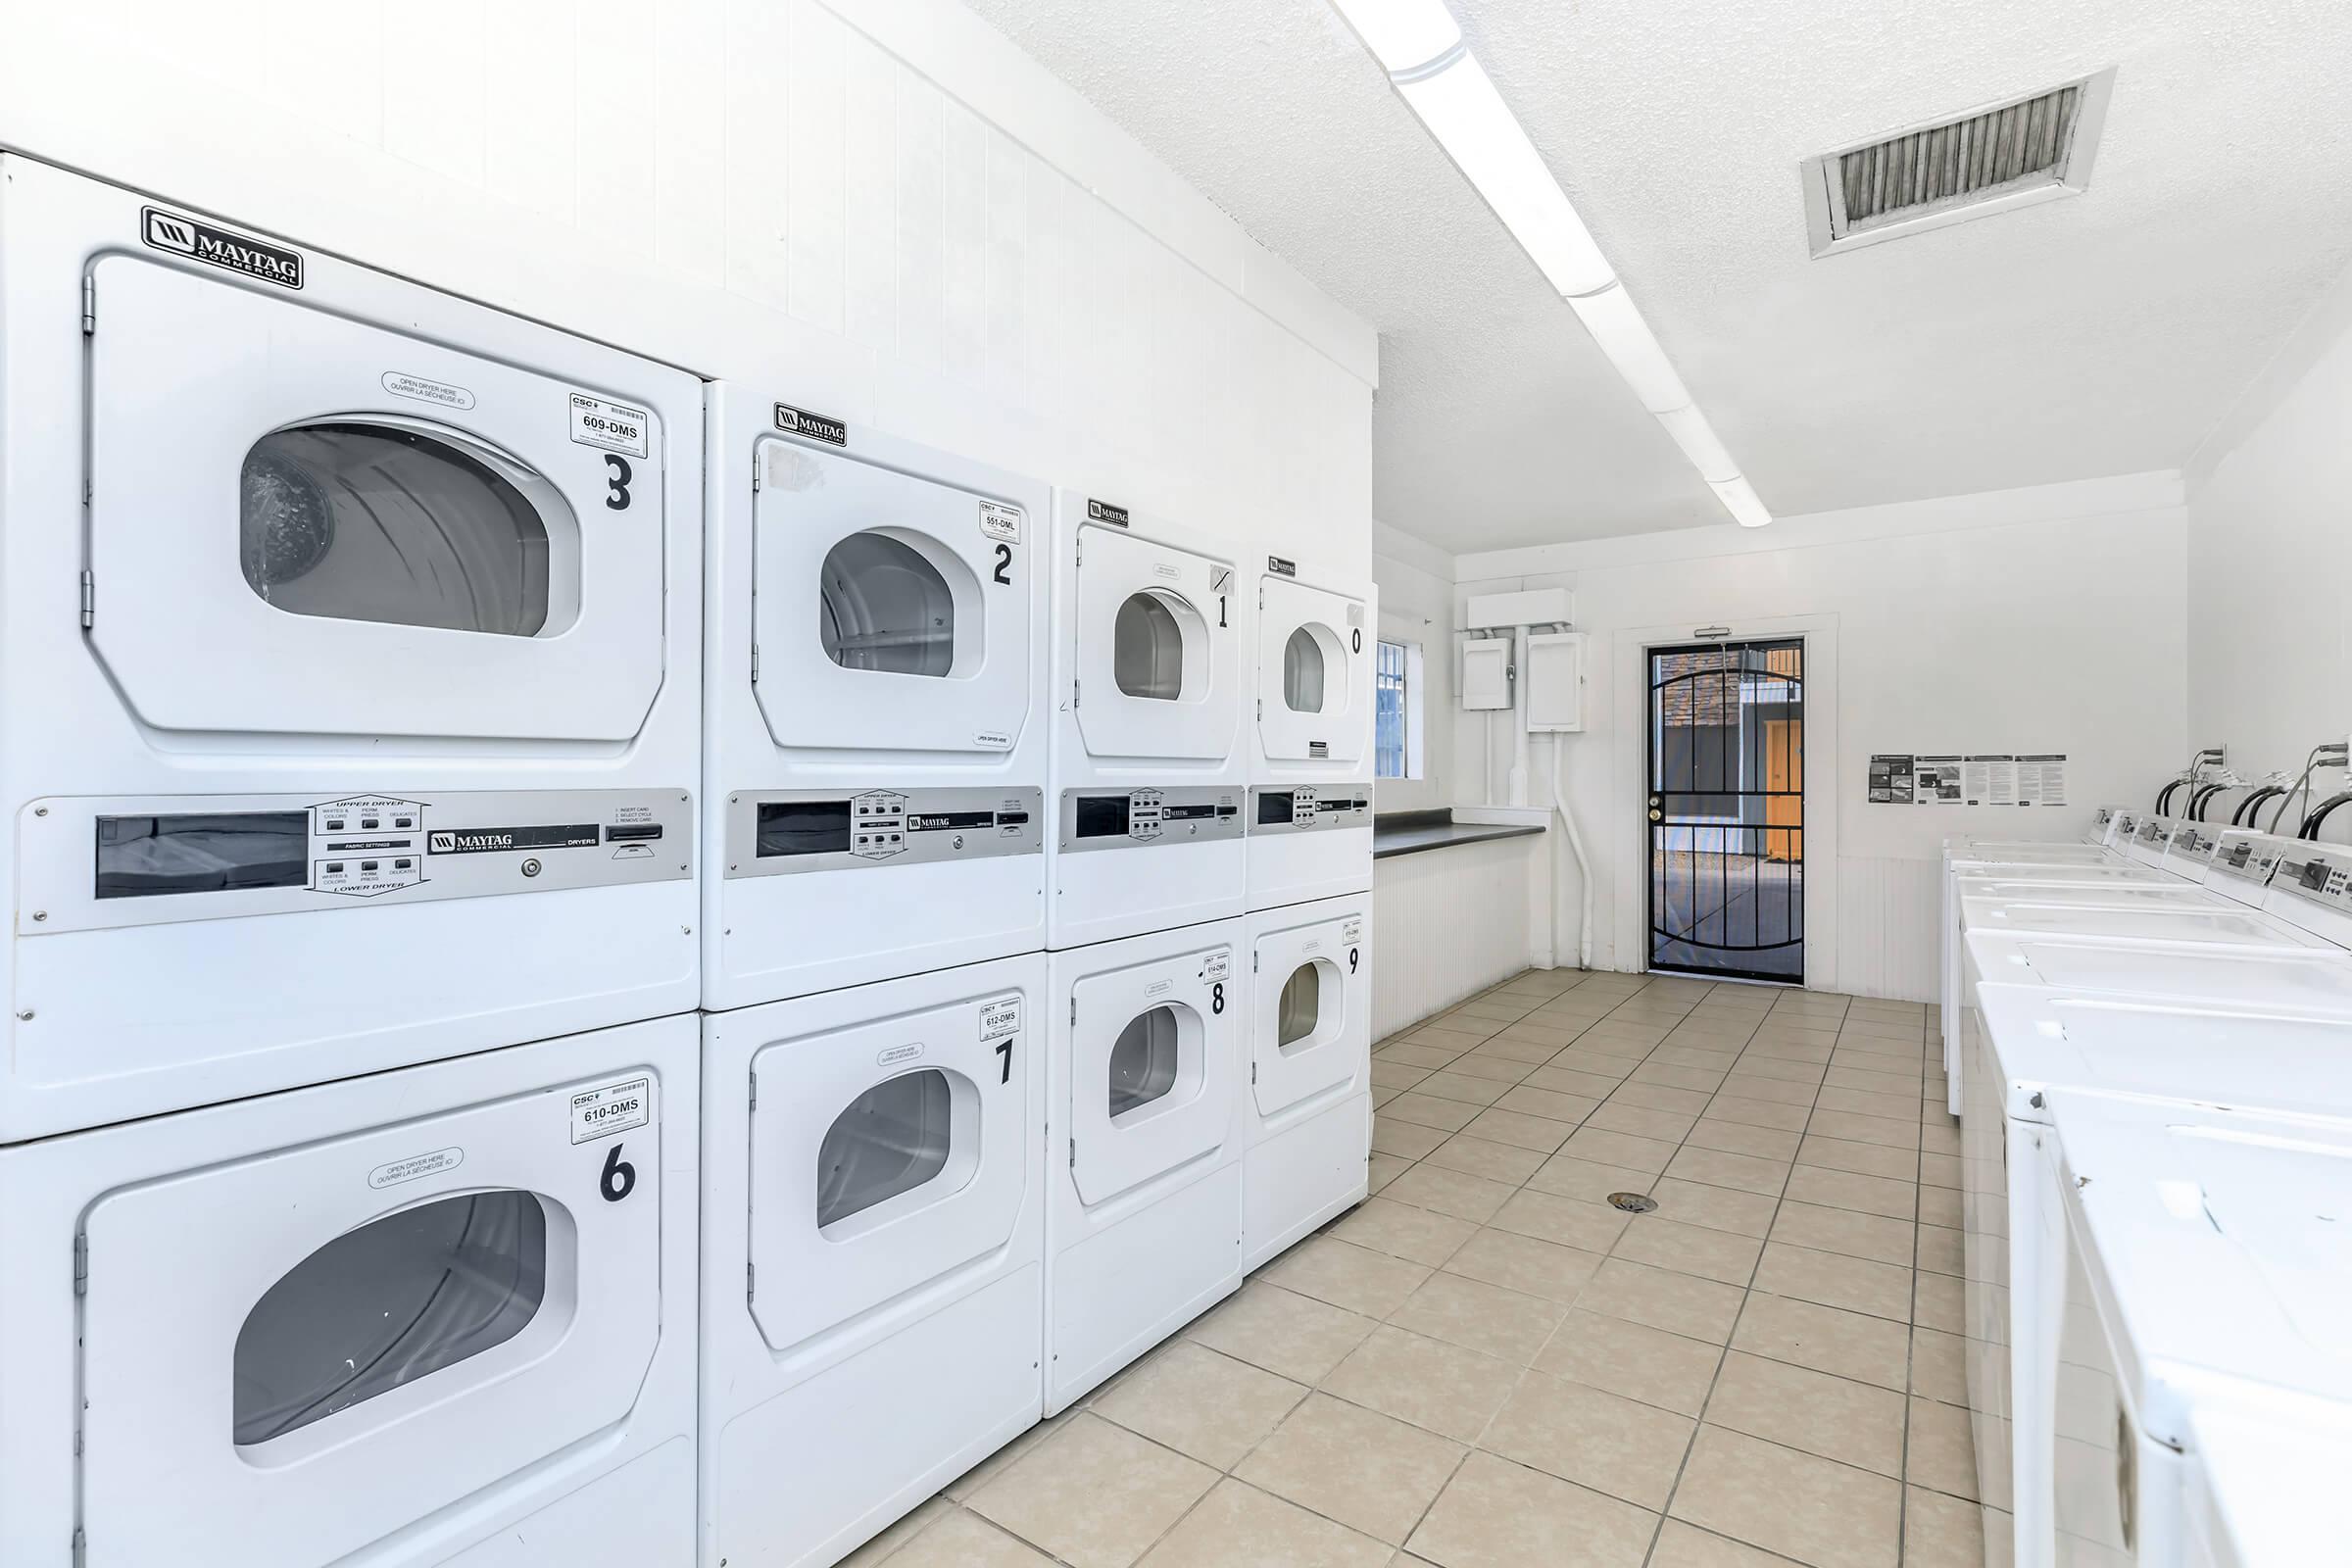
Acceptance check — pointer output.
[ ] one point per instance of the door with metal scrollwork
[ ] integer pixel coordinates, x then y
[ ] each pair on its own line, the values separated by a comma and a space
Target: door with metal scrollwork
1726, 810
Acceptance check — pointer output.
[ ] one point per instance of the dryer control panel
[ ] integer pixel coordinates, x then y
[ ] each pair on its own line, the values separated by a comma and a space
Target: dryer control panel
1275, 810
95, 864
773, 832
1112, 819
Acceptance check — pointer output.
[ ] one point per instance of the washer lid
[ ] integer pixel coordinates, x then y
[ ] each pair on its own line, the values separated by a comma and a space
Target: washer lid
2319, 978
2099, 895
2220, 1245
2262, 1492
2227, 925
2213, 1054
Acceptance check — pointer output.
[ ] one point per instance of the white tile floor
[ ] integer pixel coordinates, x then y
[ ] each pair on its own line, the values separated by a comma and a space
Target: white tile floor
1488, 1366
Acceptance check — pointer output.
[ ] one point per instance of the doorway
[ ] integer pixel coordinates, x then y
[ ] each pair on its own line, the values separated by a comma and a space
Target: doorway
1726, 810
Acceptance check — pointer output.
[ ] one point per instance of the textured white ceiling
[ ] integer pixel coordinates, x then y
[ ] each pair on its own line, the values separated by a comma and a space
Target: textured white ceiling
2102, 334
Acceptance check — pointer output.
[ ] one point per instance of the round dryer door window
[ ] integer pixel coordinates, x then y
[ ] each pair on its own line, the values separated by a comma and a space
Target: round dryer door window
382, 1305
408, 525
885, 605
1148, 647
1144, 1062
1301, 1007
1302, 672
894, 1138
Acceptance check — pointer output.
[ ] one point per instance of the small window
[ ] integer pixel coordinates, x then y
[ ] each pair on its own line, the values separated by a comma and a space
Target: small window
383, 523
1302, 1006
892, 1139
1396, 711
1144, 1060
1148, 649
395, 1300
1302, 672
886, 608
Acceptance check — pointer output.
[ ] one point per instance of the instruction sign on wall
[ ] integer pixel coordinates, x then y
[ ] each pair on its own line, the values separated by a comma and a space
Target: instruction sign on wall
1988, 778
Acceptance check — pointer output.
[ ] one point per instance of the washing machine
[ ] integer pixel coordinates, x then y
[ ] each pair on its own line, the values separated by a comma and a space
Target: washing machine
2203, 1281
878, 730
370, 734
872, 1253
442, 1316
1306, 1118
2262, 1490
1144, 1096
1150, 763
1309, 816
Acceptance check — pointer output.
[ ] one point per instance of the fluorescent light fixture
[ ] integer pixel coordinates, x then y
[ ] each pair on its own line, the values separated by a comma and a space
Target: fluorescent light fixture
1697, 437
1402, 34
1420, 45
1478, 131
1738, 497
1616, 325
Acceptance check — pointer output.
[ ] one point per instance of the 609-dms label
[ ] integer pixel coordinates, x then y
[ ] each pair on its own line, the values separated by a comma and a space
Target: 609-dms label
612, 1108
615, 427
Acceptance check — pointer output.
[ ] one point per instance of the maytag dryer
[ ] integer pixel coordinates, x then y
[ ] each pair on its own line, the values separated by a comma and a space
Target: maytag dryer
438, 1317
1151, 662
1306, 1114
1310, 754
877, 737
349, 667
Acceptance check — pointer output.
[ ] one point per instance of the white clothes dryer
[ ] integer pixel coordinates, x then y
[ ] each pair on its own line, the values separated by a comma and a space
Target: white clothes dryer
418, 1318
371, 736
1149, 766
2263, 1491
1309, 829
1144, 1145
1307, 1123
872, 1253
2204, 1276
877, 736
2214, 1038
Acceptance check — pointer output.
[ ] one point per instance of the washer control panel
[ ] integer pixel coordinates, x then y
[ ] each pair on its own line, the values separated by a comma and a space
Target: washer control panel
1274, 809
2243, 862
2192, 842
111, 862
2319, 872
1110, 820
775, 832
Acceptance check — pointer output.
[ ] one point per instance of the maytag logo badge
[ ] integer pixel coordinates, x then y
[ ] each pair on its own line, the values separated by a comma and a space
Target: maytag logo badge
1281, 568
217, 247
815, 426
1104, 512
487, 839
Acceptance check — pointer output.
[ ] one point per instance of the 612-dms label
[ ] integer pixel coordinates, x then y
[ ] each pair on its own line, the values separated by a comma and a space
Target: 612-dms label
615, 427
612, 1108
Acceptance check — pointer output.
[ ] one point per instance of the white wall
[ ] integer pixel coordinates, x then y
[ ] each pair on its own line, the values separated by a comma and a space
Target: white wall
1445, 923
883, 211
2270, 559
2042, 621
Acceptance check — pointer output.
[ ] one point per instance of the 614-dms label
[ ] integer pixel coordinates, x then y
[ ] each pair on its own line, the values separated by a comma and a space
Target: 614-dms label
611, 1108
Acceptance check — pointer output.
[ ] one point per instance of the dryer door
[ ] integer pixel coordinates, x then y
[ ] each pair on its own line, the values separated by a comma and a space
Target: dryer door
1310, 1035
308, 1349
1153, 1060
891, 613
884, 1156
1314, 670
1157, 649
301, 525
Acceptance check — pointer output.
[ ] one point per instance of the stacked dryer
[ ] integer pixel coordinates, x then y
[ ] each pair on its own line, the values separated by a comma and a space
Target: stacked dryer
349, 689
1307, 1110
874, 927
1147, 988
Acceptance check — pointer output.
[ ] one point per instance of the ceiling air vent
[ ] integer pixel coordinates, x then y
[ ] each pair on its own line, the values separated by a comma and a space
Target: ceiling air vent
2032, 149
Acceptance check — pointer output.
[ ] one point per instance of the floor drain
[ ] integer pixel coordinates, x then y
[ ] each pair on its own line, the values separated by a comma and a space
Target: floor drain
1633, 1203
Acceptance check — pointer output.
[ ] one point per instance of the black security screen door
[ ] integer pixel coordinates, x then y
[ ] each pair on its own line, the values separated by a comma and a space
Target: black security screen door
1726, 803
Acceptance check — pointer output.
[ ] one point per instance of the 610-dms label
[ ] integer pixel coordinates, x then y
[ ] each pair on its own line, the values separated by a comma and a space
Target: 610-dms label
611, 1108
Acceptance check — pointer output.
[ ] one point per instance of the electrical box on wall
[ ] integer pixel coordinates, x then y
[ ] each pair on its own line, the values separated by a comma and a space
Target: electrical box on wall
1555, 681
1486, 672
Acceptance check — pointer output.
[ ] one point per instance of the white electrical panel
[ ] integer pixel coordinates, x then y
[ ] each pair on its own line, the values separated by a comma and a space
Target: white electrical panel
1555, 681
1486, 672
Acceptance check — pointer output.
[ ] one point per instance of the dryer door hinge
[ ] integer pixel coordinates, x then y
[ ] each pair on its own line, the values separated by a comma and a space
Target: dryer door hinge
1262, 710
755, 1100
751, 1280
1073, 1153
1073, 1009
755, 475
1073, 694
90, 599
89, 306
1253, 963
1253, 1072
755, 664
1078, 552
81, 1264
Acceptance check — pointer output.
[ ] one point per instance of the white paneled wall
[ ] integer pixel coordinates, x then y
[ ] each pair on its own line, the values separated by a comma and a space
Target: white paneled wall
1445, 923
883, 210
